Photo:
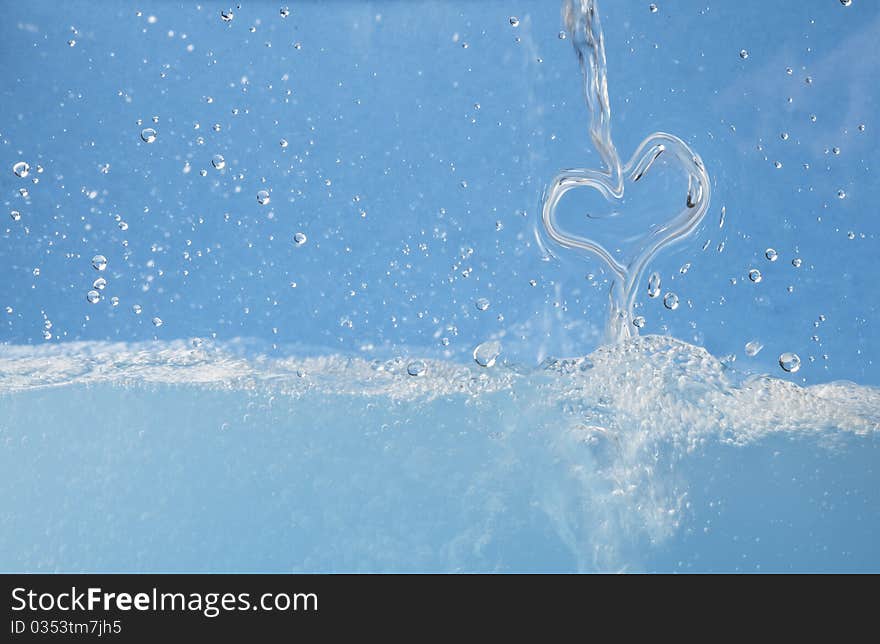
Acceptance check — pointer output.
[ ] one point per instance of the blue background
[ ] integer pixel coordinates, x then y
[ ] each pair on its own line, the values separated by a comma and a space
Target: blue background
379, 101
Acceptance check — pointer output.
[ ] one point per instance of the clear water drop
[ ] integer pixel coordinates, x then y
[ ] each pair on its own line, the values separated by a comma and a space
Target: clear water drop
771, 254
300, 238
654, 285
841, 194
263, 197
93, 297
136, 309
639, 321
487, 353
743, 53
652, 8
481, 303
16, 216
790, 362
157, 322
514, 21
148, 135
226, 15
753, 348
99, 263
99, 284
21, 169
755, 275
796, 262
417, 368
218, 161
670, 301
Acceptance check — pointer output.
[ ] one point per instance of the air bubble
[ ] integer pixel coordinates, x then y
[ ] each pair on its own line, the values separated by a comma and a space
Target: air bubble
639, 321
755, 275
157, 322
771, 254
226, 15
743, 53
16, 216
652, 8
263, 197
670, 301
93, 297
841, 194
796, 262
481, 303
99, 284
218, 161
148, 135
514, 21
790, 362
300, 238
99, 262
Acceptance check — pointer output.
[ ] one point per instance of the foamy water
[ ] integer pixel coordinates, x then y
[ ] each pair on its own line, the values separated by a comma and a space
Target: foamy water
358, 465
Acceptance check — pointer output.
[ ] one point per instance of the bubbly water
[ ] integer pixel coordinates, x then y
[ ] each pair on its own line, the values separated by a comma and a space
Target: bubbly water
374, 375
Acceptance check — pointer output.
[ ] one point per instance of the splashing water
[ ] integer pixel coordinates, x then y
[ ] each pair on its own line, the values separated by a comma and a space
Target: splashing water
582, 21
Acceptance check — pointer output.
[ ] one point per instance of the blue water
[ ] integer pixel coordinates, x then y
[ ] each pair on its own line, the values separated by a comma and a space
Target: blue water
290, 435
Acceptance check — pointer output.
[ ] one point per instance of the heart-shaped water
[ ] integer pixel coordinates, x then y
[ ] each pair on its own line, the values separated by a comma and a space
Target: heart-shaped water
639, 246
664, 228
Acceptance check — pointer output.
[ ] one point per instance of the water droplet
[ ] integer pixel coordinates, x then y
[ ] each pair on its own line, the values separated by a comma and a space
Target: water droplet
100, 284
796, 262
99, 262
284, 12
157, 322
753, 348
300, 238
639, 321
283, 143
514, 21
16, 216
790, 362
263, 197
416, 368
654, 285
846, 3
114, 301
226, 15
148, 135
485, 354
755, 275
652, 8
93, 297
743, 53
481, 303
136, 309
21, 169
777, 165
771, 254
841, 194
561, 35
218, 161
47, 335
861, 127
670, 301
784, 136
